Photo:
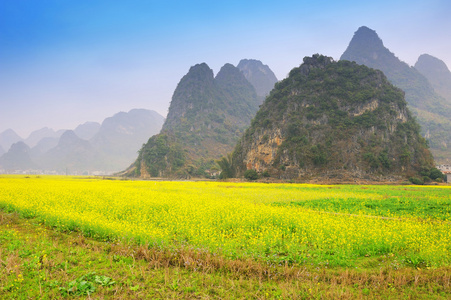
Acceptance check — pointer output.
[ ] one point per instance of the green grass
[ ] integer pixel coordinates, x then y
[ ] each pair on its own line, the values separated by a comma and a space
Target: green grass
37, 262
386, 201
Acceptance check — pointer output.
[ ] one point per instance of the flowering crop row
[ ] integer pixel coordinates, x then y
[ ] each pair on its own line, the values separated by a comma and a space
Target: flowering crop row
285, 223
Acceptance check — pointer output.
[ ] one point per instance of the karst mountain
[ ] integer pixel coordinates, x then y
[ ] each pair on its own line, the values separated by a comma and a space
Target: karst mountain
432, 111
206, 117
333, 120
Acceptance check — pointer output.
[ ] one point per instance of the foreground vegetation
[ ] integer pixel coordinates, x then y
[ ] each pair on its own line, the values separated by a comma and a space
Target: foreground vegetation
123, 239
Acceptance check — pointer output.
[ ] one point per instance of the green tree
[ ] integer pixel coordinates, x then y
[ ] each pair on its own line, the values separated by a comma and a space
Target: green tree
225, 163
251, 174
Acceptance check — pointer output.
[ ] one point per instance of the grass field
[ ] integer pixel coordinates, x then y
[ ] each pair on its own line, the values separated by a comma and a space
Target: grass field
352, 241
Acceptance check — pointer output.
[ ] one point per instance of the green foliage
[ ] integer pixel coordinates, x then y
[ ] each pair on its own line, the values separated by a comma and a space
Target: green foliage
266, 173
319, 155
226, 165
371, 159
384, 160
251, 174
161, 154
416, 180
86, 285
436, 174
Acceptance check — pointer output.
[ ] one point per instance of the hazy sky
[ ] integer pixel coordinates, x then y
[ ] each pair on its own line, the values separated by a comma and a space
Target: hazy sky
65, 62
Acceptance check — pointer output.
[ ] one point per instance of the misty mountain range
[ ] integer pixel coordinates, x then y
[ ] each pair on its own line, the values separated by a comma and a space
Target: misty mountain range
107, 147
207, 115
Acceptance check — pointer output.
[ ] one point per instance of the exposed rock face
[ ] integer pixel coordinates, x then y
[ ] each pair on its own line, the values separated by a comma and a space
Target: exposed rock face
333, 118
206, 117
438, 74
259, 75
432, 111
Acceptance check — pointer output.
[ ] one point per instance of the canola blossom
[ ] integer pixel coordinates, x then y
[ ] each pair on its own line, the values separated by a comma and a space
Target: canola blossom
277, 223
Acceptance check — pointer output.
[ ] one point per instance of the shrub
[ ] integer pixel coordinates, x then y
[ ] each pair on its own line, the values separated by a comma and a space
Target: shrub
251, 174
416, 180
436, 174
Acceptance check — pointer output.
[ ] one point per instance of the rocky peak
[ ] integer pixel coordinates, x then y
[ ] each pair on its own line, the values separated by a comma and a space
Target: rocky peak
19, 147
438, 74
199, 72
68, 139
17, 158
367, 48
315, 62
229, 74
427, 64
194, 93
9, 137
259, 75
367, 36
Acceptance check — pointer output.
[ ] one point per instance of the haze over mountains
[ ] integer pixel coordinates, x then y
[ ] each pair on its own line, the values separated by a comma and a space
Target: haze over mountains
7, 138
438, 74
209, 114
90, 147
432, 110
259, 75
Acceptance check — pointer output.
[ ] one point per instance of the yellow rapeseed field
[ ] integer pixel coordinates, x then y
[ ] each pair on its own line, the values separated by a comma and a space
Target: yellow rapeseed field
277, 223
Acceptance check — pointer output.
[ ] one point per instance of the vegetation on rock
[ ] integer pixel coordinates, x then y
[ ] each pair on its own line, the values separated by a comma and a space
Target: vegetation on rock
432, 111
333, 119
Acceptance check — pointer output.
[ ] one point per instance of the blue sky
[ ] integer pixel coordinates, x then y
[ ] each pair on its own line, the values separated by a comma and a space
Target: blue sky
65, 62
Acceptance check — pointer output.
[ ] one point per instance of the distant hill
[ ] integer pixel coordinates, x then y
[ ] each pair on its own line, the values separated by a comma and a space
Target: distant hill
333, 120
206, 117
33, 139
9, 137
87, 130
259, 75
433, 111
438, 74
44, 145
71, 154
2, 151
113, 145
120, 137
17, 158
